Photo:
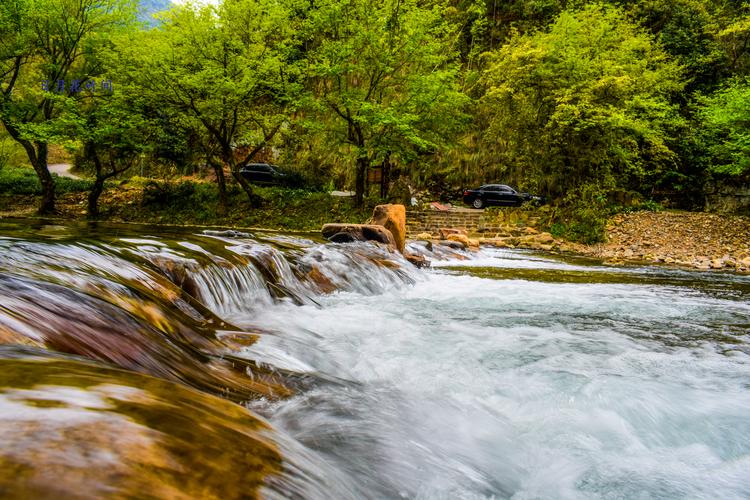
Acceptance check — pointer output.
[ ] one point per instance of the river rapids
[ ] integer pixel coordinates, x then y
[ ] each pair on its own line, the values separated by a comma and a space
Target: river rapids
153, 362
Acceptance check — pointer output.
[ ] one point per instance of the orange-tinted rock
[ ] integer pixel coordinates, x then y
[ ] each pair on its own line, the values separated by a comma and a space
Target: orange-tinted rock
393, 218
77, 429
447, 231
469, 242
417, 260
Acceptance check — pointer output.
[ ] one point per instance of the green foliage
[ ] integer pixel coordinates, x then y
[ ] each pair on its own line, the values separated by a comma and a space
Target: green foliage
188, 202
385, 80
24, 181
687, 30
226, 74
725, 126
599, 106
586, 101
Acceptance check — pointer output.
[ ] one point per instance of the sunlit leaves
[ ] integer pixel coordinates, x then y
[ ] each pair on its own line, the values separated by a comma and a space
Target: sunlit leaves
588, 100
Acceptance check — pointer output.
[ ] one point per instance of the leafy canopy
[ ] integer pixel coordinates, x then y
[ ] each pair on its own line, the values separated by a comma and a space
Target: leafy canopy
587, 101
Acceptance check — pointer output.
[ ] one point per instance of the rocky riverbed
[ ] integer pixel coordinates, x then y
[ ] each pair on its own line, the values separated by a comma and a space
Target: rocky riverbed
700, 240
688, 239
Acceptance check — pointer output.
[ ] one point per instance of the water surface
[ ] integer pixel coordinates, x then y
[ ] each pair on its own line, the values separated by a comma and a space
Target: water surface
501, 374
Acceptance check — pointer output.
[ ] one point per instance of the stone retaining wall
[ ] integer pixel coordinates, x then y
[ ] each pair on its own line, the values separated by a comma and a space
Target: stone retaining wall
728, 197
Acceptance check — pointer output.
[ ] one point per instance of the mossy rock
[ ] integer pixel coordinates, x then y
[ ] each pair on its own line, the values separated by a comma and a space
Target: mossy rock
72, 428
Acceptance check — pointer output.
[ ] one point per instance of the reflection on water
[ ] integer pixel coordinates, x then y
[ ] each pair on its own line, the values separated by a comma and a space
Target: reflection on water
500, 374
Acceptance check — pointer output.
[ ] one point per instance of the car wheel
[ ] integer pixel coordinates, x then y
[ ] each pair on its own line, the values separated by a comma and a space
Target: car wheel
478, 203
518, 203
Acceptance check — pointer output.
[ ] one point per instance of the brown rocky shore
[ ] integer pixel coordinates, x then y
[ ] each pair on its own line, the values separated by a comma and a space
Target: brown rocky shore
688, 239
700, 240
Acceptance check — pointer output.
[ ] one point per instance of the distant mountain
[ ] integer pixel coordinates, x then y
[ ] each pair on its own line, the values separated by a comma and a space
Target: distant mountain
147, 9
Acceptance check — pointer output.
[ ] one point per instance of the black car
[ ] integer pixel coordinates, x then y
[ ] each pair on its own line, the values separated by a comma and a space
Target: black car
498, 194
263, 173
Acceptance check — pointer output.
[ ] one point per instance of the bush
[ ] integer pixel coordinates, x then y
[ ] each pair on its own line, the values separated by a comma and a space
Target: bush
25, 181
19, 181
164, 193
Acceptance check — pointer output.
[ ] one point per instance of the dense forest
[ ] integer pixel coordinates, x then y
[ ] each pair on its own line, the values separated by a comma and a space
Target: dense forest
593, 104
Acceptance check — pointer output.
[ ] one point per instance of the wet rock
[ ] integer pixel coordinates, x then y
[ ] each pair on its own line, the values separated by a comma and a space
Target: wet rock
322, 282
468, 242
130, 332
447, 231
359, 232
393, 218
418, 260
346, 237
456, 245
74, 429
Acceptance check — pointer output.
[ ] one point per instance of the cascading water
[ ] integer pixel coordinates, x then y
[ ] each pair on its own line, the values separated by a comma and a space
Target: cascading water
497, 375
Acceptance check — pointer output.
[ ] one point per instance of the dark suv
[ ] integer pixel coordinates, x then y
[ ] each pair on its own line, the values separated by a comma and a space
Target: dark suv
498, 194
263, 173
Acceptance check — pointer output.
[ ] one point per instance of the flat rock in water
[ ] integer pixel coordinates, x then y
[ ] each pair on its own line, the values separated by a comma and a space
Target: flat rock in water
343, 233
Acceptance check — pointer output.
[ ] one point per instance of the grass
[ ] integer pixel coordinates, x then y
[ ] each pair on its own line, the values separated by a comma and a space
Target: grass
19, 180
189, 202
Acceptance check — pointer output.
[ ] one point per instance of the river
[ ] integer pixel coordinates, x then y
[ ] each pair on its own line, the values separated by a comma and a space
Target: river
225, 364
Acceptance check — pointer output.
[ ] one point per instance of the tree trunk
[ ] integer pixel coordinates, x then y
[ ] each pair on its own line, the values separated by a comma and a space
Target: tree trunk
45, 178
221, 182
385, 177
244, 184
37, 154
359, 182
96, 191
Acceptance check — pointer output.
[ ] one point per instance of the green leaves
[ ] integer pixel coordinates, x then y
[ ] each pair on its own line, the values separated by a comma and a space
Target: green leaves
385, 78
725, 117
588, 100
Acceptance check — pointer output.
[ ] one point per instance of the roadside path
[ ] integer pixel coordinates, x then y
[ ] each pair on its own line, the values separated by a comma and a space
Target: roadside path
62, 169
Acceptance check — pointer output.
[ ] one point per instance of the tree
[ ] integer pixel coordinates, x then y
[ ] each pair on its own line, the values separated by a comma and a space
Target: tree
586, 102
229, 71
113, 134
54, 42
385, 74
687, 30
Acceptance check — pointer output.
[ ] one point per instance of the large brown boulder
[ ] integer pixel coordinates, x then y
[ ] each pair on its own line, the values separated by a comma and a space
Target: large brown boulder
76, 429
344, 233
393, 218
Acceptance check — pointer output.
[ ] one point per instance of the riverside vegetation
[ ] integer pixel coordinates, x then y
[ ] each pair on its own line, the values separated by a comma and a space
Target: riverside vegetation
600, 106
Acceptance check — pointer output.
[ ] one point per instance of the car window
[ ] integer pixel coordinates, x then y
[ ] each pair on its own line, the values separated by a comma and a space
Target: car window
491, 187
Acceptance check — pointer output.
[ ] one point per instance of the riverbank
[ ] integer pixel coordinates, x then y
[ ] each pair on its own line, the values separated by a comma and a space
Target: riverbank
700, 240
687, 239
189, 203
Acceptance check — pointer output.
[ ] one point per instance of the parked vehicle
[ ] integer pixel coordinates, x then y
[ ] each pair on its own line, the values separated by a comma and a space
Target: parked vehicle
498, 194
263, 173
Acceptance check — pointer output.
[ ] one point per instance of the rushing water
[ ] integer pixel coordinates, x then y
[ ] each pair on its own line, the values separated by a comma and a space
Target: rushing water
501, 374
